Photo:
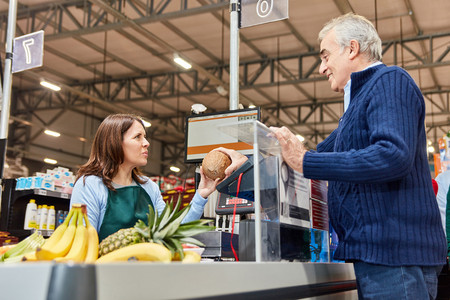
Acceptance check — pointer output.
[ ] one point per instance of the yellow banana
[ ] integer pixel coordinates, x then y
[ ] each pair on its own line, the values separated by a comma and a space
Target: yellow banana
30, 256
58, 233
141, 252
64, 244
77, 252
191, 257
92, 237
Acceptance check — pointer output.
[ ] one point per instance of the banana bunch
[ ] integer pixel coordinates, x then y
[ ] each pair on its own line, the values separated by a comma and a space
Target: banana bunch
72, 240
141, 252
148, 252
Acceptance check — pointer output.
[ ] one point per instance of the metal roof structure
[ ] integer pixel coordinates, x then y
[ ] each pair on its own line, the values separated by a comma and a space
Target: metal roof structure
117, 56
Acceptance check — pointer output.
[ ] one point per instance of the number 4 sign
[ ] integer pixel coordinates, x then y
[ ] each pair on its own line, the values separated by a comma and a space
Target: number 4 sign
28, 51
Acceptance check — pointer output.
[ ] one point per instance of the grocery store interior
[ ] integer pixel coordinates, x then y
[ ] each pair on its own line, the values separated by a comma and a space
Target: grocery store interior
117, 56
102, 57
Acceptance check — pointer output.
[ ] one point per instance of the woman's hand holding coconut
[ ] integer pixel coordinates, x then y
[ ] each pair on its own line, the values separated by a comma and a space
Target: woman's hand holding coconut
221, 162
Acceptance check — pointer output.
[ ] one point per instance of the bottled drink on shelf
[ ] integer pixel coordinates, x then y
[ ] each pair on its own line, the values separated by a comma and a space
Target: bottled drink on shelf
44, 215
59, 217
51, 218
38, 216
30, 215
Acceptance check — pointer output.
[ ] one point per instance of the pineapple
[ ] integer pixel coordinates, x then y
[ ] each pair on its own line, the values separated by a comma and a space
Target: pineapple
165, 230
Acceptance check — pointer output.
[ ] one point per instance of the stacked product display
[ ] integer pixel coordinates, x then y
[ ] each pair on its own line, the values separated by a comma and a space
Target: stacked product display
59, 180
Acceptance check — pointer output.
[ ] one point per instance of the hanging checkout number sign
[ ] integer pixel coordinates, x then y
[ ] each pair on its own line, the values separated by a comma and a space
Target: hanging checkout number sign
28, 51
255, 12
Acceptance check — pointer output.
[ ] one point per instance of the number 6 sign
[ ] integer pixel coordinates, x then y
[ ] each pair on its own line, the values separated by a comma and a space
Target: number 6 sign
254, 12
28, 51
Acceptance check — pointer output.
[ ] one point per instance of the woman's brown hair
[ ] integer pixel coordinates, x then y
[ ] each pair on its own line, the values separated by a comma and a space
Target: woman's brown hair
107, 152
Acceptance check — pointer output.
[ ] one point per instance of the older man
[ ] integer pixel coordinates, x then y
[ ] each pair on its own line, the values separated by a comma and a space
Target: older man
381, 200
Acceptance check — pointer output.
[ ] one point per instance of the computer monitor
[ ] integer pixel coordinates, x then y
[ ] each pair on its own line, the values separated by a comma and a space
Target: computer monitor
202, 134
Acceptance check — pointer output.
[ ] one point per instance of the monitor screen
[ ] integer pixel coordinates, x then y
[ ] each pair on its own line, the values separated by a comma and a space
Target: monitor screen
202, 134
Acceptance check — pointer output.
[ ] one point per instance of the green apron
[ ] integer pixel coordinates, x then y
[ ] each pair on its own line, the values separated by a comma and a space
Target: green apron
124, 208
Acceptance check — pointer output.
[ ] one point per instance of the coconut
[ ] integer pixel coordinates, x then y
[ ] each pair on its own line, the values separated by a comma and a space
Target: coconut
214, 164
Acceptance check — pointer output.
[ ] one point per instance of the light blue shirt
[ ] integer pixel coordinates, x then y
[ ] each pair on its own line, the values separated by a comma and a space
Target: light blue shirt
443, 181
95, 195
348, 86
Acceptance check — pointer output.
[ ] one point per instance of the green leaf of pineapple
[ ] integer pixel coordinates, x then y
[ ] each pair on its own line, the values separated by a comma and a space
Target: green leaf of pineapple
198, 222
143, 229
191, 240
191, 230
151, 217
168, 246
171, 227
173, 212
178, 246
163, 218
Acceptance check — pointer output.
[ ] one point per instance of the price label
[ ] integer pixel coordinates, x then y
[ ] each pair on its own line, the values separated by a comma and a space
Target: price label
65, 195
42, 192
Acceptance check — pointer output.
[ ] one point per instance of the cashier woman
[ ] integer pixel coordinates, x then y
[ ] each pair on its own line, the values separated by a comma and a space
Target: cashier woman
113, 188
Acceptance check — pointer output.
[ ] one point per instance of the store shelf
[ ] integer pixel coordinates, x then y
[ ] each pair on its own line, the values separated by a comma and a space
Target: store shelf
14, 202
22, 233
41, 192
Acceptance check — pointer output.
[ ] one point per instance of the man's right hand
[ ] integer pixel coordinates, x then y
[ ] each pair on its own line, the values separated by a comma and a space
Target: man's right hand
292, 149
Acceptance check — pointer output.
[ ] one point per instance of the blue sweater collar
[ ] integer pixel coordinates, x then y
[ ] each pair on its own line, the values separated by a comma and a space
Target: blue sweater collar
360, 78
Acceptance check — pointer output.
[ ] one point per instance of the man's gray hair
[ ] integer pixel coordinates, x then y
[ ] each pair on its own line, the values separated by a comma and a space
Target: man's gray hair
354, 27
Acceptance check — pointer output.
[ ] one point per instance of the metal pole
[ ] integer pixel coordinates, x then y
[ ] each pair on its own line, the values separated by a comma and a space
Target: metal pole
234, 54
257, 202
7, 84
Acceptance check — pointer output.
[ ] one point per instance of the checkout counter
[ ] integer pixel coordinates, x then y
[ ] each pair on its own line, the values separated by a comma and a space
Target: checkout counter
284, 250
211, 280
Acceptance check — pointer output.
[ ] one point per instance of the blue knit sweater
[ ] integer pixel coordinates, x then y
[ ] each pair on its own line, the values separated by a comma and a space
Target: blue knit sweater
381, 200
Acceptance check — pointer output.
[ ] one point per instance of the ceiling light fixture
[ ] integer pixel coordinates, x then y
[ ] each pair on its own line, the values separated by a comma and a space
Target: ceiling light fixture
146, 124
252, 106
50, 161
174, 169
52, 133
198, 108
301, 138
51, 86
221, 90
181, 62
430, 149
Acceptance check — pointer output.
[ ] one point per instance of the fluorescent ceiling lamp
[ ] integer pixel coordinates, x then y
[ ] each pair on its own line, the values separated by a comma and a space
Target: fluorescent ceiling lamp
221, 90
174, 169
252, 106
50, 86
50, 161
181, 62
146, 124
430, 149
198, 108
52, 133
301, 138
